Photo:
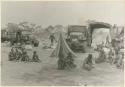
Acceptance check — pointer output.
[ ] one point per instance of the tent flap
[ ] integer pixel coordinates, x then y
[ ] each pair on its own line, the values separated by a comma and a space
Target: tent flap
62, 47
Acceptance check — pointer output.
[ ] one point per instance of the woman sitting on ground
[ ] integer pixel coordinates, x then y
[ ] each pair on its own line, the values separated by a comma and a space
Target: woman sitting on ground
69, 62
25, 56
102, 56
35, 57
88, 63
12, 55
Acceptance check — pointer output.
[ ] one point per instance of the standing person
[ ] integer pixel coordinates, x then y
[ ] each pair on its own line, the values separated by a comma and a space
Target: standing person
35, 57
112, 56
120, 59
88, 63
52, 38
117, 53
114, 52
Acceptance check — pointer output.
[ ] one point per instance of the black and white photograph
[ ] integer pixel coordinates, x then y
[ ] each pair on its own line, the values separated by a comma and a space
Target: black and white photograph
62, 43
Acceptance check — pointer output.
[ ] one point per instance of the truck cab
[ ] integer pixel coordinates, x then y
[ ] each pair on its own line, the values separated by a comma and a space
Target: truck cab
77, 37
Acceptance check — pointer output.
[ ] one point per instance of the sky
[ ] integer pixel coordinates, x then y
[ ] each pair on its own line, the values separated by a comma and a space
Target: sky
64, 13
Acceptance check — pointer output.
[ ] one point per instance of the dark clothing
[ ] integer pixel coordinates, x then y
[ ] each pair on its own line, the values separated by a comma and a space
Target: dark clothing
61, 64
111, 57
61, 61
52, 38
11, 56
102, 57
25, 57
19, 55
35, 58
88, 64
70, 62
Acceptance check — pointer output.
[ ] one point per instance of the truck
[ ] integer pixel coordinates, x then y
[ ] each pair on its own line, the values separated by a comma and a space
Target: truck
78, 37
4, 35
22, 37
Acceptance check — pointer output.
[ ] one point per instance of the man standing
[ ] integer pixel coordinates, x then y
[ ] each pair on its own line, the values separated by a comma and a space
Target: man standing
52, 38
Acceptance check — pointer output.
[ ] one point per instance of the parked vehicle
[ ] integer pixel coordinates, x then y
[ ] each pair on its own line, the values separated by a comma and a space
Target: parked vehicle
77, 37
4, 36
23, 37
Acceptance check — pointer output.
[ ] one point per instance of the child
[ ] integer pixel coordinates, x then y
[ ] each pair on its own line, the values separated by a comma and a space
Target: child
35, 57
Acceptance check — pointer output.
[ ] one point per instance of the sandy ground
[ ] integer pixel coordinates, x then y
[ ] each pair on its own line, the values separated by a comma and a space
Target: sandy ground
46, 73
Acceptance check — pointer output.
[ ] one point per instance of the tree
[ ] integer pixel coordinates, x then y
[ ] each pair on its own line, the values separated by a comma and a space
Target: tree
12, 27
38, 27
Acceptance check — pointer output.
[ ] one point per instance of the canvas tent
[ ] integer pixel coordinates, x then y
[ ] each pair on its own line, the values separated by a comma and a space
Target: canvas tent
62, 47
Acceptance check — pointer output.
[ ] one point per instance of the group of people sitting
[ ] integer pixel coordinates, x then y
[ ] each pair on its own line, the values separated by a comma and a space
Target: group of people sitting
68, 63
20, 54
113, 57
116, 57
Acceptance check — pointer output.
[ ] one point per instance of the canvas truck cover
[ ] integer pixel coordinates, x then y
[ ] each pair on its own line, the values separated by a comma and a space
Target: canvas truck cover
77, 28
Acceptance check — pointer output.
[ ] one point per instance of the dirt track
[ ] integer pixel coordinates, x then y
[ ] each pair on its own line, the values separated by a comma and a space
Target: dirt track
46, 73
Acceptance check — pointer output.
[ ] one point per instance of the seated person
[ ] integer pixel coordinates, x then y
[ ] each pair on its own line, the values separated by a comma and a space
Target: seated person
88, 63
61, 63
70, 62
12, 55
111, 57
19, 54
35, 57
102, 56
